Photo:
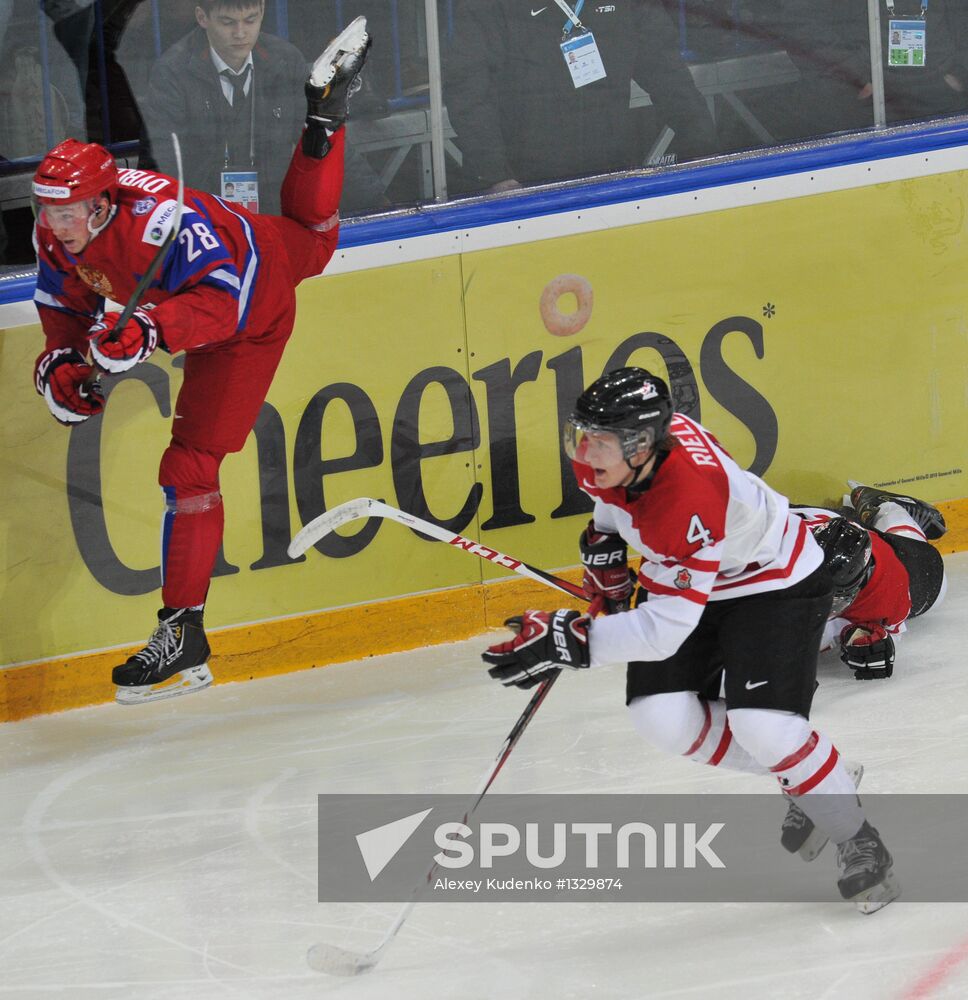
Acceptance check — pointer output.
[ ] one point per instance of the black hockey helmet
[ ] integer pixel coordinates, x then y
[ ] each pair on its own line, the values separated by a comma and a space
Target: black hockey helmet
630, 403
846, 556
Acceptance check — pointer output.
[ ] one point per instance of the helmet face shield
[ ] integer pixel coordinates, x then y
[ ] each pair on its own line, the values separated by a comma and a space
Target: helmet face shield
600, 447
58, 215
843, 598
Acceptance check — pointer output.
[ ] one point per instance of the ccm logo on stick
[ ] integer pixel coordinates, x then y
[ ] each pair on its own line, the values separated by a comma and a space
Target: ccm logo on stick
485, 553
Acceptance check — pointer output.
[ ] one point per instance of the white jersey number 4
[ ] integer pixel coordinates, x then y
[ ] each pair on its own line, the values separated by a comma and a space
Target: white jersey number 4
697, 532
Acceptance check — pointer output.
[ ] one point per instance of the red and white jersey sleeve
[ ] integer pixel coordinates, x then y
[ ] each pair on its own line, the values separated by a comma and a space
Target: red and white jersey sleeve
885, 599
707, 530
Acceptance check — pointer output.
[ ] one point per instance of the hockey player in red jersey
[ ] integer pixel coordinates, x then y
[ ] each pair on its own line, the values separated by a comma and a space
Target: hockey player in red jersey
733, 596
224, 294
884, 572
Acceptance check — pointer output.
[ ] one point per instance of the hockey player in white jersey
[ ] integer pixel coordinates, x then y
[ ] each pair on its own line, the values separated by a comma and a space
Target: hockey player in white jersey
733, 595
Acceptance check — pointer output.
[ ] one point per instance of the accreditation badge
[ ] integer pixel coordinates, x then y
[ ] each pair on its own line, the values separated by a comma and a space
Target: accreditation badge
583, 59
906, 43
242, 188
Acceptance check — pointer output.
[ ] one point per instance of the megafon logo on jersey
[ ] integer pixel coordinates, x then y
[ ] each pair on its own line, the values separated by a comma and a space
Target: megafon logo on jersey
160, 222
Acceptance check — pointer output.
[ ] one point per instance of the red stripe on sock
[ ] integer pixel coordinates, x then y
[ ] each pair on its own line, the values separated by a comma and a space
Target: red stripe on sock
817, 777
704, 732
723, 746
798, 755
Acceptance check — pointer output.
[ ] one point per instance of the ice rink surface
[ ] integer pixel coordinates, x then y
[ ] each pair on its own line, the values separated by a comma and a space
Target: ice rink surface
169, 851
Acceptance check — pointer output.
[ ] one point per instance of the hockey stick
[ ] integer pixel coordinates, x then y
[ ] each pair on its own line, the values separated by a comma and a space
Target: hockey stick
94, 384
340, 961
353, 510
331, 958
149, 274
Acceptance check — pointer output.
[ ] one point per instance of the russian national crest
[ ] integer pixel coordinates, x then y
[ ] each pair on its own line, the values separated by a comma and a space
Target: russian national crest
96, 280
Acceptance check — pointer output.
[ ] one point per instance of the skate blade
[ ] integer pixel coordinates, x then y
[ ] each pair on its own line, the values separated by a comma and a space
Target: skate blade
351, 40
178, 684
878, 896
813, 845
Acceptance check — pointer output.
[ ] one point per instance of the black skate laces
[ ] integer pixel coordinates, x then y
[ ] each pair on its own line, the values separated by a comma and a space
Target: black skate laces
858, 855
795, 818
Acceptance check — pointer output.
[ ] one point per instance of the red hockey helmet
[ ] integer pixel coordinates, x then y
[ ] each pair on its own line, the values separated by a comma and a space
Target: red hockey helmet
73, 171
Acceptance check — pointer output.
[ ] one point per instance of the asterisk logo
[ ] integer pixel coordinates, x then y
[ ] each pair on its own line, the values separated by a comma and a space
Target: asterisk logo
769, 310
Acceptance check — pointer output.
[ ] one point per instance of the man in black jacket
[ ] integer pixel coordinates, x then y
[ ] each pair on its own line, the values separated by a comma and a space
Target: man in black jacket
531, 102
234, 96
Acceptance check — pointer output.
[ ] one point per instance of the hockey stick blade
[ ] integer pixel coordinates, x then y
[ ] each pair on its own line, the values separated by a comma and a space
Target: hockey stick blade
326, 524
362, 507
338, 961
335, 961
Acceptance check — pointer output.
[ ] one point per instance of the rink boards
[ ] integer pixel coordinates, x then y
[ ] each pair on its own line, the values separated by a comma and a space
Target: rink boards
814, 320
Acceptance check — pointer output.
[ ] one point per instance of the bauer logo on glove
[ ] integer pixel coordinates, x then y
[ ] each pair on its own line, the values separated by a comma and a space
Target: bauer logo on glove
546, 641
607, 580
117, 349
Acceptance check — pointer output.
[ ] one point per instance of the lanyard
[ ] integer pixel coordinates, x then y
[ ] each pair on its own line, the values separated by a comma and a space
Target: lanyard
890, 7
251, 97
572, 16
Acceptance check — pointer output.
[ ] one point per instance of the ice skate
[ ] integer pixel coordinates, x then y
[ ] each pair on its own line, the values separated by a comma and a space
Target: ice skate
798, 833
335, 75
867, 500
866, 864
174, 662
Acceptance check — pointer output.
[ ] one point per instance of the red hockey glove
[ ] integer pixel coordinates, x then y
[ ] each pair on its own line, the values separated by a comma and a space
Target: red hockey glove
546, 642
868, 650
607, 580
120, 350
66, 381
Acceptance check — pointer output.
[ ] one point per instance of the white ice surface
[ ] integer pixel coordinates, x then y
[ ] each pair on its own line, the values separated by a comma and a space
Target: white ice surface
169, 851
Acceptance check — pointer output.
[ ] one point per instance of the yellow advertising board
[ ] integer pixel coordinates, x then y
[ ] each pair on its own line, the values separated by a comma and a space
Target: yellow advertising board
819, 338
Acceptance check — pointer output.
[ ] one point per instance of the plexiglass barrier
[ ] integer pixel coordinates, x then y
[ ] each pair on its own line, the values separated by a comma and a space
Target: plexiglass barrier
462, 97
